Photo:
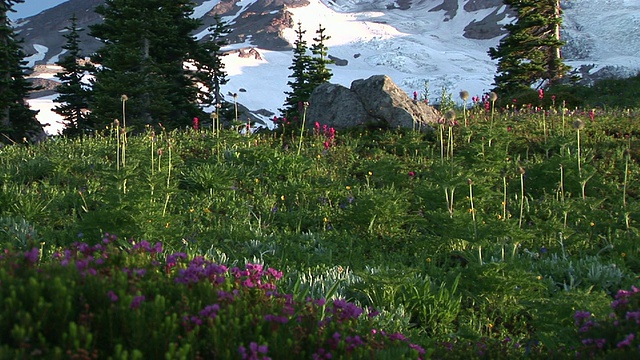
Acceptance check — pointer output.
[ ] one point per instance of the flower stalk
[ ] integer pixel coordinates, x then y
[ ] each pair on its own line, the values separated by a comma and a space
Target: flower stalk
522, 173
302, 125
472, 209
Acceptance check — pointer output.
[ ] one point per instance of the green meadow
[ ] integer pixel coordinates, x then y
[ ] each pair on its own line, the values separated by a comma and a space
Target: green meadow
505, 231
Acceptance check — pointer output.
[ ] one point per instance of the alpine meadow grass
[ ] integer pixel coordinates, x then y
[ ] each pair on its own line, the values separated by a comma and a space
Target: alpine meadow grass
318, 243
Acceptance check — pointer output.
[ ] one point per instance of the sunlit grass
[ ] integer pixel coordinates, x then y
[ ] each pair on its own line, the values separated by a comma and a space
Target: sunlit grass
544, 222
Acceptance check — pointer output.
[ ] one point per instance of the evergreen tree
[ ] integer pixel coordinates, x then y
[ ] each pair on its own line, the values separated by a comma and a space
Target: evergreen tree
530, 53
301, 78
146, 46
319, 73
210, 65
309, 71
73, 92
17, 120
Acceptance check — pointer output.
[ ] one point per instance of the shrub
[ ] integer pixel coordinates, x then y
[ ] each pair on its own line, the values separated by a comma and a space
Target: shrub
120, 299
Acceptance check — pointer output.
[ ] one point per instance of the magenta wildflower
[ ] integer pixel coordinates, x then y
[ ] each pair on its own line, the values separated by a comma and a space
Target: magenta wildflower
275, 273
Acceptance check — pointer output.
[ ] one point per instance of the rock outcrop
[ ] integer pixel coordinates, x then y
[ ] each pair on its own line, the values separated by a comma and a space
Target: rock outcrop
376, 100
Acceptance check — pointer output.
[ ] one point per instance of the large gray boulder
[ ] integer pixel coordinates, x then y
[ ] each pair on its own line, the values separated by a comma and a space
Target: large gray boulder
376, 100
336, 106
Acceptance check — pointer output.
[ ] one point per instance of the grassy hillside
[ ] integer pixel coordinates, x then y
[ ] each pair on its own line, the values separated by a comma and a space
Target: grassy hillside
481, 238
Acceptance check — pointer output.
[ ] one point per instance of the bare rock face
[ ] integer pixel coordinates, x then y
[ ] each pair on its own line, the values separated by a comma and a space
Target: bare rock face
376, 100
337, 106
450, 7
487, 28
261, 22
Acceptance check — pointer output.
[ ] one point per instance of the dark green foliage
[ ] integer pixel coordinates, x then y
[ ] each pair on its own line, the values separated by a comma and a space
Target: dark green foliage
543, 221
73, 92
530, 53
17, 121
146, 44
211, 67
308, 73
318, 68
129, 299
604, 94
300, 78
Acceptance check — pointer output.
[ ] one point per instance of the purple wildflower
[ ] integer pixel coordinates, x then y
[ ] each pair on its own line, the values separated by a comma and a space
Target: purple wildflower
254, 351
276, 319
580, 316
633, 315
32, 255
627, 341
344, 310
397, 336
210, 311
135, 303
172, 259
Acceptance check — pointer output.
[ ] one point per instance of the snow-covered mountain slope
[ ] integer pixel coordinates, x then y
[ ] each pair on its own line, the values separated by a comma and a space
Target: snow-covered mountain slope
442, 42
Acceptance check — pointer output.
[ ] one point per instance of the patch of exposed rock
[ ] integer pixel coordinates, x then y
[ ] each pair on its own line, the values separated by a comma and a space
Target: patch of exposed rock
487, 28
43, 87
338, 61
46, 28
261, 23
400, 5
450, 8
373, 101
475, 5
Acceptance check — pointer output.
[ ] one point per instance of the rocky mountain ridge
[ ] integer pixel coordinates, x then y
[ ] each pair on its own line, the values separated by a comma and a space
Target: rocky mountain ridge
261, 23
428, 46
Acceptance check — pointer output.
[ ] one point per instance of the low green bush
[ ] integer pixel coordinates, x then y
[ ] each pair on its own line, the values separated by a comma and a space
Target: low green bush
128, 300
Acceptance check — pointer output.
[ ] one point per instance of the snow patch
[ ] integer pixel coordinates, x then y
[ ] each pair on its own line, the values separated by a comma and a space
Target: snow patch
41, 52
204, 8
53, 124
